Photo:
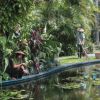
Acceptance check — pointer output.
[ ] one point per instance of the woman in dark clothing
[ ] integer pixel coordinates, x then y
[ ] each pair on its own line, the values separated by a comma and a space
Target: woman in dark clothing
16, 69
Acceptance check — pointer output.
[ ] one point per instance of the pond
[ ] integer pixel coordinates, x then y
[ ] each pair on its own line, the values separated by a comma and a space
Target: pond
75, 84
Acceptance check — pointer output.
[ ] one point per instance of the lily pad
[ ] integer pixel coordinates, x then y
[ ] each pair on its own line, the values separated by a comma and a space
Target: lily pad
96, 82
68, 86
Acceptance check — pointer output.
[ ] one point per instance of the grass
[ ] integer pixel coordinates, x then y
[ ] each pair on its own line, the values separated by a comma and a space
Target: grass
74, 59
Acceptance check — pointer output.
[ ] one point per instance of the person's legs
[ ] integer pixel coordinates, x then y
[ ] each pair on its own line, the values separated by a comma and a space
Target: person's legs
79, 50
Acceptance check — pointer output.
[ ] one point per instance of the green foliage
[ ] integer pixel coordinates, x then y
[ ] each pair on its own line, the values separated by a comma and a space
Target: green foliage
5, 52
65, 17
58, 20
13, 12
50, 46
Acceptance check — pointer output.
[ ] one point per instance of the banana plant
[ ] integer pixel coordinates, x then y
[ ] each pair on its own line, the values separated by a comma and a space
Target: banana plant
6, 49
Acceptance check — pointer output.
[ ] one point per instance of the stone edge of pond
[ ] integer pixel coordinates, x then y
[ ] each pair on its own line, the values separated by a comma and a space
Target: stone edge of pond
44, 74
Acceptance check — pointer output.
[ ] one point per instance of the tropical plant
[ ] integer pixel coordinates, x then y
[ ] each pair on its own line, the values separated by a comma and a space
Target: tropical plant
58, 19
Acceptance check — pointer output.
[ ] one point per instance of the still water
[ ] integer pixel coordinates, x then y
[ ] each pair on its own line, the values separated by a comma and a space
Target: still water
51, 88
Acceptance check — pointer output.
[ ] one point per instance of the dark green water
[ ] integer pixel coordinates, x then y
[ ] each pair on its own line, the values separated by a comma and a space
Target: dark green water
45, 89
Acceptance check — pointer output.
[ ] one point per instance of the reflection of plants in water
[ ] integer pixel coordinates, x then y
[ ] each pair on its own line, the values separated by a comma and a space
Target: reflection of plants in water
4, 95
90, 91
69, 83
45, 89
8, 94
14, 93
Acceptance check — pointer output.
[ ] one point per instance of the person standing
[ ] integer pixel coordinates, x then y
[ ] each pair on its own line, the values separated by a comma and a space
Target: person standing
80, 36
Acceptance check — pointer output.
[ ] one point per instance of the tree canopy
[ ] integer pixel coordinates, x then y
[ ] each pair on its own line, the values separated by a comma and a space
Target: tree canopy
57, 19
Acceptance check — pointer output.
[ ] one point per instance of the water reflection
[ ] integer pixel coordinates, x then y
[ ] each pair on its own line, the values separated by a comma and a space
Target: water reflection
46, 90
37, 91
